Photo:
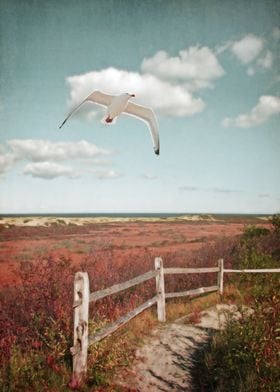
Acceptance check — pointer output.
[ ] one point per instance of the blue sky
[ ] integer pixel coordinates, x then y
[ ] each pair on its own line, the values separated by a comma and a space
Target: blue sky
209, 69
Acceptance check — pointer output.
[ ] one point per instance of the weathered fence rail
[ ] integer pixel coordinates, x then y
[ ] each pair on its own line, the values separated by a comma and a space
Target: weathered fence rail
122, 286
82, 298
201, 290
190, 270
121, 321
255, 271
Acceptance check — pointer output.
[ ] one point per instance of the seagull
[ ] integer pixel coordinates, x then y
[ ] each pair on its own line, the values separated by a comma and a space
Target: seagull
117, 104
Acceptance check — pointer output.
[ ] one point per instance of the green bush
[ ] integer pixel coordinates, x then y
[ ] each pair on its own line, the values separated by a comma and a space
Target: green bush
253, 232
276, 222
246, 355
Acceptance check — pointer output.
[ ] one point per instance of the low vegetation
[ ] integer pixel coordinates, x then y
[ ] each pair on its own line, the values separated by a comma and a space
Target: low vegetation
246, 355
36, 316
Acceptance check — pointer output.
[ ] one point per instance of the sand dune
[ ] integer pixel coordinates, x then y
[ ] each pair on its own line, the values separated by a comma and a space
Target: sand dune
47, 221
64, 220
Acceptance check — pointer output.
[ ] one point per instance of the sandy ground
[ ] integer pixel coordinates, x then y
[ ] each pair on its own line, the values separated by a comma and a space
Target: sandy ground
165, 361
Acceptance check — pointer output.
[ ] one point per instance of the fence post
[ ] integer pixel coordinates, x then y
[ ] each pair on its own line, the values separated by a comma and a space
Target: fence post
221, 276
80, 348
160, 289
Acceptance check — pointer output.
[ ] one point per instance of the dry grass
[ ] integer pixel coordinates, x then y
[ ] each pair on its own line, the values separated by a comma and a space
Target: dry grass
179, 308
233, 295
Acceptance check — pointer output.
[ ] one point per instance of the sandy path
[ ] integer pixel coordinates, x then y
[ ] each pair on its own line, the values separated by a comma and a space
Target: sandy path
164, 362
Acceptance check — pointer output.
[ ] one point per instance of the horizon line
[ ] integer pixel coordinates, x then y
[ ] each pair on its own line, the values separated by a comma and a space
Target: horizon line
135, 213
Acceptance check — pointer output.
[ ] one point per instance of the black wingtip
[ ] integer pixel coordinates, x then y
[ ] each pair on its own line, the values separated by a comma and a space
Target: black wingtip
157, 152
62, 124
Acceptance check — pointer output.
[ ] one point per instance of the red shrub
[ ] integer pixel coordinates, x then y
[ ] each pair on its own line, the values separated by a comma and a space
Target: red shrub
37, 313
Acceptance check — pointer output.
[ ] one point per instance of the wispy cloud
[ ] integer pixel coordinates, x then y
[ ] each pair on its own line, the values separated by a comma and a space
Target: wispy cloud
43, 150
263, 195
49, 170
188, 188
251, 51
44, 158
106, 174
222, 190
6, 160
149, 176
266, 60
267, 107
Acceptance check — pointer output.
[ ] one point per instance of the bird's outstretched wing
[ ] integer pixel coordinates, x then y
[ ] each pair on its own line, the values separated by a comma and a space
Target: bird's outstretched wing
100, 98
97, 97
148, 116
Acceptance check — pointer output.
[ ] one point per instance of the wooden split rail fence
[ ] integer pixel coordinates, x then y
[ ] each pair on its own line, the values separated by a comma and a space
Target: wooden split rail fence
82, 298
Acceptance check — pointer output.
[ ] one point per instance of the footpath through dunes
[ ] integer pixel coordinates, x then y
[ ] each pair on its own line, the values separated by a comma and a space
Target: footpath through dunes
167, 359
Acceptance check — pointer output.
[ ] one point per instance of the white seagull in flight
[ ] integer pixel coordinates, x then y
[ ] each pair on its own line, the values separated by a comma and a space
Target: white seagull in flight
117, 104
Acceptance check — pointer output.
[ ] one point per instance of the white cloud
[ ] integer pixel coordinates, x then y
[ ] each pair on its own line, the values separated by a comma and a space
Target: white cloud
6, 161
106, 174
196, 66
267, 107
266, 60
248, 48
49, 170
44, 150
164, 97
43, 156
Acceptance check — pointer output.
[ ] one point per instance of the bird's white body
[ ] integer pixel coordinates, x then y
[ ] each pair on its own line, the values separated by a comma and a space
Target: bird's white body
119, 104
